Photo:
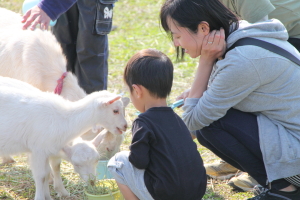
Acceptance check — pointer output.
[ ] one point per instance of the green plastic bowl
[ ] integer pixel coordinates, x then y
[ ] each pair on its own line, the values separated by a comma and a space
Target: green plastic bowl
114, 196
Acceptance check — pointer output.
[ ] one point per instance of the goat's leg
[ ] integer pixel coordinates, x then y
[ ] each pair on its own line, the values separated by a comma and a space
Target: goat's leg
40, 170
57, 181
7, 159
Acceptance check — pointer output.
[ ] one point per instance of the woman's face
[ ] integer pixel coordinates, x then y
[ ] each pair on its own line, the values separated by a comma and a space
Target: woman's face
189, 41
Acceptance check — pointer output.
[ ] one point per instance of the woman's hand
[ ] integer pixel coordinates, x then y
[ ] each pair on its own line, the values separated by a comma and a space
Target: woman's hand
214, 45
36, 16
184, 95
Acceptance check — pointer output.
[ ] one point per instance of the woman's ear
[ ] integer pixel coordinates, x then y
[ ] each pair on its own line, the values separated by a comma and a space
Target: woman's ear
203, 27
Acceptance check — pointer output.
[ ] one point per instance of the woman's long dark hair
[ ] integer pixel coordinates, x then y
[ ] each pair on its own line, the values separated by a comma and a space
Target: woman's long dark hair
189, 14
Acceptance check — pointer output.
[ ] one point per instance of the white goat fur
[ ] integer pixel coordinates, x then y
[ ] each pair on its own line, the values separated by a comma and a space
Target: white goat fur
109, 145
47, 122
36, 58
83, 155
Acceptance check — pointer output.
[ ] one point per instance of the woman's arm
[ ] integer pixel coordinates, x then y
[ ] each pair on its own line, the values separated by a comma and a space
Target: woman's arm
213, 47
235, 79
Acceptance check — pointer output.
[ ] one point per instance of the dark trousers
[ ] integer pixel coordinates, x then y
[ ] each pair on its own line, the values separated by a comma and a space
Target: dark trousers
234, 138
295, 42
85, 49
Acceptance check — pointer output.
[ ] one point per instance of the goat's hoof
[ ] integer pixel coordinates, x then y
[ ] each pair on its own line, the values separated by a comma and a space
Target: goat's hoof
48, 198
64, 193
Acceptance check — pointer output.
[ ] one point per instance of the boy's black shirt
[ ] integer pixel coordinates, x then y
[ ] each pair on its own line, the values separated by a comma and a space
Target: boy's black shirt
162, 145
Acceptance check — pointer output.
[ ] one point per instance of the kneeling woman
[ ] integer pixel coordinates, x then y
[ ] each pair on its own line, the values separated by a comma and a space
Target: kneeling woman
249, 115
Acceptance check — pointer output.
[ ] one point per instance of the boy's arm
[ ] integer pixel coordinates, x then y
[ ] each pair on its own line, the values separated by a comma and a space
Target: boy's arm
139, 148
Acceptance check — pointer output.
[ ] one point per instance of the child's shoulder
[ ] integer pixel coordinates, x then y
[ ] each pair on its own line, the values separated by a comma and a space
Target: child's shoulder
140, 122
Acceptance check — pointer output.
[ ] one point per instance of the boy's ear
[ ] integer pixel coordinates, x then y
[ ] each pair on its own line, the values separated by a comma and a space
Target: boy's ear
137, 90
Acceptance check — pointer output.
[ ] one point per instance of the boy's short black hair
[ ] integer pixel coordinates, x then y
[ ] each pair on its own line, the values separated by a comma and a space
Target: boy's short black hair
151, 69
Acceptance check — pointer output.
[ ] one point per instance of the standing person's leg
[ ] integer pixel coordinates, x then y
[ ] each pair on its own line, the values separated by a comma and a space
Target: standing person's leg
65, 31
92, 44
236, 136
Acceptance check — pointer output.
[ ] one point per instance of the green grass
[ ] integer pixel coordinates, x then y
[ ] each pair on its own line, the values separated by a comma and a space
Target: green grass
138, 28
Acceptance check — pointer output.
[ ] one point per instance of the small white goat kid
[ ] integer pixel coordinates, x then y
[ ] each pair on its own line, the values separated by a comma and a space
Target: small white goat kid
84, 155
42, 123
109, 145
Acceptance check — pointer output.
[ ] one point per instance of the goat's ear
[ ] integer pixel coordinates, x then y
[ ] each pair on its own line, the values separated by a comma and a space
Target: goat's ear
110, 101
126, 101
114, 99
102, 102
67, 150
97, 140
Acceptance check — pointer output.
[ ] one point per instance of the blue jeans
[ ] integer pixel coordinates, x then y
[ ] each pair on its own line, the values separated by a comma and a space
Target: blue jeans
295, 42
82, 33
235, 139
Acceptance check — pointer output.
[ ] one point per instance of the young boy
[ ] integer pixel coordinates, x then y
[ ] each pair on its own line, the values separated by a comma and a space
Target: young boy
163, 162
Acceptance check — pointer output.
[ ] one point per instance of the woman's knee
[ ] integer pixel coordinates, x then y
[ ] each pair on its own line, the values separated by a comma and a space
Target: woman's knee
201, 139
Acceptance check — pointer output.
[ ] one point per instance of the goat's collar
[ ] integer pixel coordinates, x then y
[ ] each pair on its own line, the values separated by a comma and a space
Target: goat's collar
60, 83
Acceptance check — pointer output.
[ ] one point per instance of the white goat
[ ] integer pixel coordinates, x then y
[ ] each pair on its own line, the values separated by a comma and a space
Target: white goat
11, 17
109, 145
34, 57
83, 155
46, 123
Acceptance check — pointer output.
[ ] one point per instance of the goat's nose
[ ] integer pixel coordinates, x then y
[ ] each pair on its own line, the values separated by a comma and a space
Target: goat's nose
125, 127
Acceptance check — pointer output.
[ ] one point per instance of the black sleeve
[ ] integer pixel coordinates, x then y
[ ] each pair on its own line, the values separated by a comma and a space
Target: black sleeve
139, 155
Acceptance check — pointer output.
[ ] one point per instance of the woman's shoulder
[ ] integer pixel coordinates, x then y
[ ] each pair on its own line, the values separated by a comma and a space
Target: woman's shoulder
263, 51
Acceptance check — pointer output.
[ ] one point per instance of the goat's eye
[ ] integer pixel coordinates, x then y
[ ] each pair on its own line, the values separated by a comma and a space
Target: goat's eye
116, 111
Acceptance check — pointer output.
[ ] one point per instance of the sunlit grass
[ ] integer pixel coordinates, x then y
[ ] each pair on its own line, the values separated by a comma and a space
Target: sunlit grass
138, 28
